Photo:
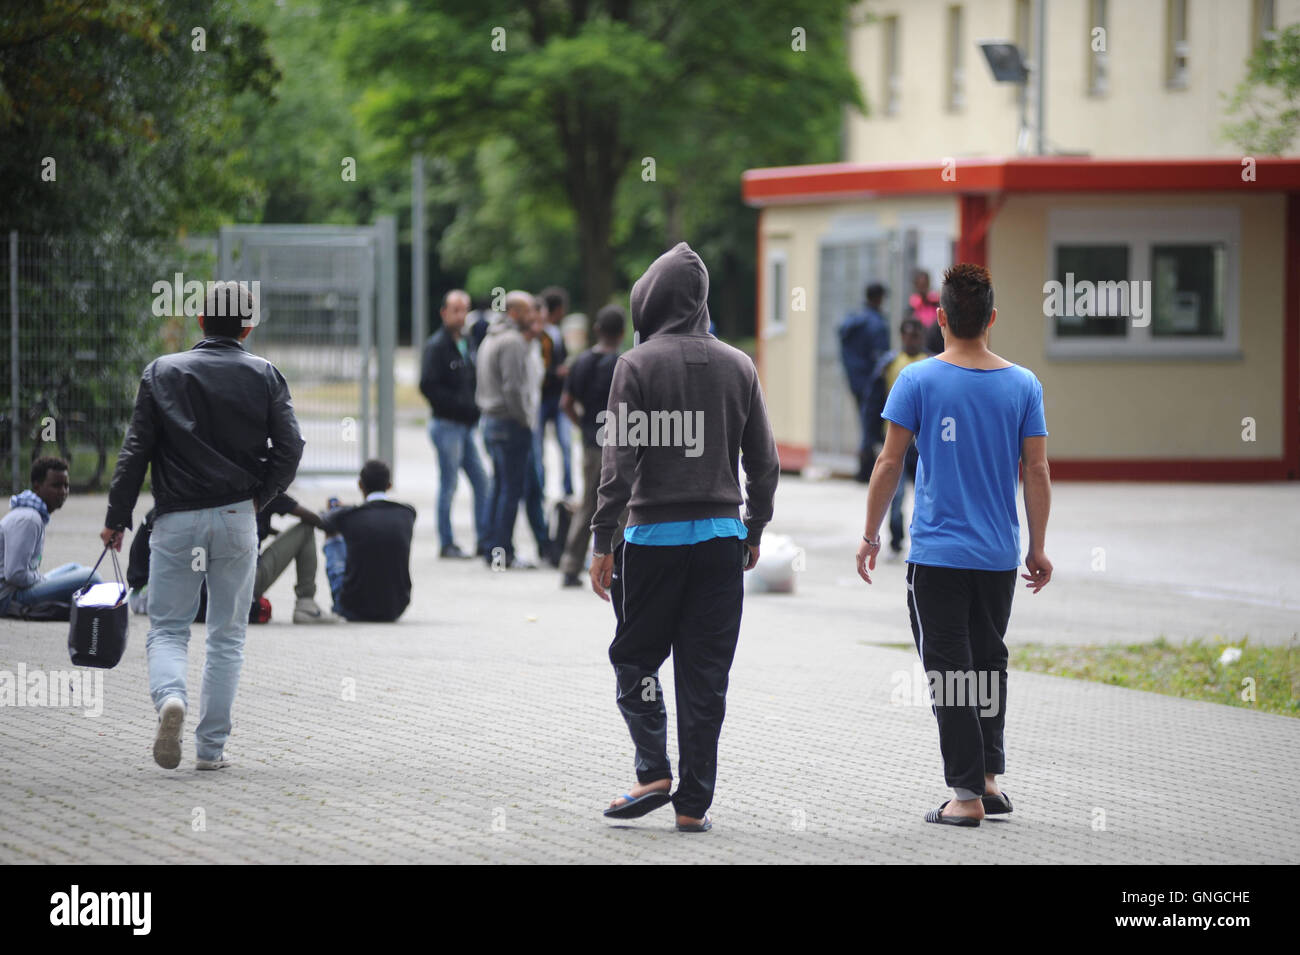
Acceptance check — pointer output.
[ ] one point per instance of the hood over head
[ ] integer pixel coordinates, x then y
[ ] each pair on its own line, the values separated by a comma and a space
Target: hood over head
672, 297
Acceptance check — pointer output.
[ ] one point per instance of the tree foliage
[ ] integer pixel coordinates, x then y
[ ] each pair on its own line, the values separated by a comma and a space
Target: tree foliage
1268, 98
585, 91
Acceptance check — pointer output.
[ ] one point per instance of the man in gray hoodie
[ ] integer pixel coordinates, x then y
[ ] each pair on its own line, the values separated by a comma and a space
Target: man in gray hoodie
683, 407
508, 391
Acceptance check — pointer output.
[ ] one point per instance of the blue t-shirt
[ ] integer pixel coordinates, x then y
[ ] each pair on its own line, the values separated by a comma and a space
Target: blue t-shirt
676, 533
969, 425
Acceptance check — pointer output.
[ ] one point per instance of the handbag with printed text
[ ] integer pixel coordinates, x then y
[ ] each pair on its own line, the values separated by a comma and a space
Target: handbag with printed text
99, 620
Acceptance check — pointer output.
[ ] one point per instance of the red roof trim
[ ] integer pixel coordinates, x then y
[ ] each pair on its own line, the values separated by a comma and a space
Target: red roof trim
828, 181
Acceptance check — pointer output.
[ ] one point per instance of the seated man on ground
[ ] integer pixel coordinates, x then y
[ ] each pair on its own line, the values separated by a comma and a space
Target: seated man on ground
22, 543
368, 551
297, 545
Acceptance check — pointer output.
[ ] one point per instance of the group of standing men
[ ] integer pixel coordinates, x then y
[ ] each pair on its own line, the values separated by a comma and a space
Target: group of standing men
507, 374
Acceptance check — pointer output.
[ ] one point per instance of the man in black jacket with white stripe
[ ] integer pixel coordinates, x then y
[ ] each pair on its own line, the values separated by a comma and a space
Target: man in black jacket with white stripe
448, 380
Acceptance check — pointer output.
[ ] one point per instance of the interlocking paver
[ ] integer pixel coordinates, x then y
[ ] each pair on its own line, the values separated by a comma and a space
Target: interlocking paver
480, 735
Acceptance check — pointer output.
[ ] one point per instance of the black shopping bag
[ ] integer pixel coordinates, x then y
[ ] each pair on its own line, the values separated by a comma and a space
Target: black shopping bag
97, 632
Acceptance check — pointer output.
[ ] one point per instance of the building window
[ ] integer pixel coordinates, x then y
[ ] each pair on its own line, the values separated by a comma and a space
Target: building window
1187, 282
1142, 283
1265, 22
956, 73
1176, 49
778, 294
892, 81
1098, 49
1104, 266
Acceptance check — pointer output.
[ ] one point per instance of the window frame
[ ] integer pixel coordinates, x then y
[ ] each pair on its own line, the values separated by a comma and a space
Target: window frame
892, 82
1177, 48
776, 318
955, 84
1141, 229
1098, 63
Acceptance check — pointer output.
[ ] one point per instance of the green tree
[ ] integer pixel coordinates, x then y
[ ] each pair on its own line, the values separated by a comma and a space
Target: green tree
1268, 98
585, 92
117, 117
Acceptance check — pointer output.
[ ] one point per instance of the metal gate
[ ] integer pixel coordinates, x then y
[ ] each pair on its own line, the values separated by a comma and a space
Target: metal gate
328, 321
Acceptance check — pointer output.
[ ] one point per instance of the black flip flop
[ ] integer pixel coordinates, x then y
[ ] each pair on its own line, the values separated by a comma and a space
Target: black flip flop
703, 826
638, 806
936, 815
997, 805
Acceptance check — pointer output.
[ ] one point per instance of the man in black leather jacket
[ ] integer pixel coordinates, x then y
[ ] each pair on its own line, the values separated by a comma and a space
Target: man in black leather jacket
216, 427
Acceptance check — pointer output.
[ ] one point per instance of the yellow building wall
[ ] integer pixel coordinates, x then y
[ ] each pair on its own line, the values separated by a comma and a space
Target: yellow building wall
1165, 408
1138, 116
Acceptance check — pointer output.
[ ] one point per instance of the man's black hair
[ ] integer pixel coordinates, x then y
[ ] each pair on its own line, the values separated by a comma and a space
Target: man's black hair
911, 322
225, 308
556, 299
43, 466
875, 292
610, 323
967, 299
375, 476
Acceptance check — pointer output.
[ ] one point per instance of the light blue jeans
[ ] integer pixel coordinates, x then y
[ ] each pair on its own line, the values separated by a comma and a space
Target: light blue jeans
221, 544
59, 584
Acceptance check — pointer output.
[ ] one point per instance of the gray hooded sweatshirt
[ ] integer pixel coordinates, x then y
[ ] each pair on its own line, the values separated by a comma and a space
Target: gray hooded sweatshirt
683, 408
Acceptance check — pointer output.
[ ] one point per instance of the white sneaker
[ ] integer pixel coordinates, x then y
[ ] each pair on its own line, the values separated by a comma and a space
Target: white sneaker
167, 740
219, 763
306, 610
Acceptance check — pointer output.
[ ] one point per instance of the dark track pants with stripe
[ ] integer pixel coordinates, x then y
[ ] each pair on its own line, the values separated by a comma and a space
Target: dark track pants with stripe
959, 624
684, 599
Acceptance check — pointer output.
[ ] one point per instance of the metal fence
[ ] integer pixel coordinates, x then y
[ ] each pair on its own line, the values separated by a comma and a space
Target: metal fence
83, 315
328, 321
79, 329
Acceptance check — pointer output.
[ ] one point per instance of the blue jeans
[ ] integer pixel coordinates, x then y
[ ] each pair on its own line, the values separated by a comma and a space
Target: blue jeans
219, 543
550, 411
456, 449
59, 584
509, 444
336, 565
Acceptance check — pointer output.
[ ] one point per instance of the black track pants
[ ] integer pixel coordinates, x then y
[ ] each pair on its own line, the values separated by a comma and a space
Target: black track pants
959, 622
685, 600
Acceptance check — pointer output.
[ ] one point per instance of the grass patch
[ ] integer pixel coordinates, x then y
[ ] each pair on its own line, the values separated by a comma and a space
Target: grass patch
1265, 678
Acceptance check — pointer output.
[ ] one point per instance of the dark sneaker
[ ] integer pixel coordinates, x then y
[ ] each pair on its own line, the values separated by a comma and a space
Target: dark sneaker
453, 552
571, 580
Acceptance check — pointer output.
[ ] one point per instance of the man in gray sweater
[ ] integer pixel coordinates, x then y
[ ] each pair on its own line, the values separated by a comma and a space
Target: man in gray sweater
508, 391
683, 407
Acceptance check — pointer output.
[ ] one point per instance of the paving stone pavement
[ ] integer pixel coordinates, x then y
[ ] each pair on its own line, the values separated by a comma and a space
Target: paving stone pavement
482, 728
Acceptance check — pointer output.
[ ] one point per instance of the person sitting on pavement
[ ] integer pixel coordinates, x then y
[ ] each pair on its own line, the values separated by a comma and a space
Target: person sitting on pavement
368, 551
297, 545
22, 543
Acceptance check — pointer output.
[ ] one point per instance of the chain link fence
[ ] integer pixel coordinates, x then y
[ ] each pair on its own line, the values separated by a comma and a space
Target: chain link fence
80, 325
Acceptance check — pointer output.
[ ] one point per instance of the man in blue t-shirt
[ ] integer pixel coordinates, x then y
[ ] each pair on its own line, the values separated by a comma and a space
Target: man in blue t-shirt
977, 419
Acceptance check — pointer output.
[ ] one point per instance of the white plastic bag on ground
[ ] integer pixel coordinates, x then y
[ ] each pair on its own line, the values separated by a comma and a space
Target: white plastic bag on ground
777, 561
